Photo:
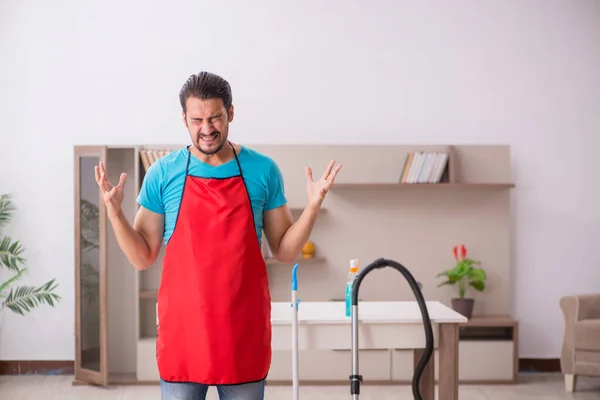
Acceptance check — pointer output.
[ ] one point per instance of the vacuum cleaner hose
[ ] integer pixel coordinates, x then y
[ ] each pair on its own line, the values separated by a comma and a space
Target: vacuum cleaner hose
355, 378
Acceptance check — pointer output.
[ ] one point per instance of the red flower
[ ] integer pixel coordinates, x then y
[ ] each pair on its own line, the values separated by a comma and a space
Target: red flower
455, 252
463, 252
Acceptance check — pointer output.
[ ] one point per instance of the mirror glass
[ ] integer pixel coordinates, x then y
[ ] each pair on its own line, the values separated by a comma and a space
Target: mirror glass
89, 263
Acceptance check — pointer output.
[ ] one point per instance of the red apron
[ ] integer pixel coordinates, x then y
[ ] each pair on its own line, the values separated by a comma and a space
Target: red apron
214, 305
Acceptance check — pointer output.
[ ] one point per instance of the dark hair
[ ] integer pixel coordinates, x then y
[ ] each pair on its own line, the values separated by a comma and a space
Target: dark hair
206, 85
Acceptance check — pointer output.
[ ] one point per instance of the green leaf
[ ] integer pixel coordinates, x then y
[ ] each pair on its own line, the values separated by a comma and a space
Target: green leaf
464, 267
450, 274
23, 299
14, 278
477, 274
6, 209
10, 253
477, 285
464, 275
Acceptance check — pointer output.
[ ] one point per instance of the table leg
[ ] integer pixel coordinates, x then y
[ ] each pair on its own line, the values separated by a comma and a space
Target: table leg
427, 386
448, 360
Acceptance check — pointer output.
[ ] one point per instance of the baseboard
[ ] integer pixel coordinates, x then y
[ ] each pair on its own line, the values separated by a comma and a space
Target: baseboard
539, 365
36, 367
51, 367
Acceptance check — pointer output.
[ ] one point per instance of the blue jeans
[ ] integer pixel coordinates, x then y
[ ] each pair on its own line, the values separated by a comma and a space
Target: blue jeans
197, 391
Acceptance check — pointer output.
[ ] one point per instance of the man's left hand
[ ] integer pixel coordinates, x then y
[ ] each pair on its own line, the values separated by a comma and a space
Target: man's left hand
316, 191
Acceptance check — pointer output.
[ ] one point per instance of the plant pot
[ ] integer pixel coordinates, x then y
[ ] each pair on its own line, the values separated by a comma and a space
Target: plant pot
463, 306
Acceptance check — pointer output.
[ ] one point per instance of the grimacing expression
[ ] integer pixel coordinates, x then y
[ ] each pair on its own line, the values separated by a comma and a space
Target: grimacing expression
208, 123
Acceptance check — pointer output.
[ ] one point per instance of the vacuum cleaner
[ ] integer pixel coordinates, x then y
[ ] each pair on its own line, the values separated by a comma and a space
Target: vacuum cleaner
356, 378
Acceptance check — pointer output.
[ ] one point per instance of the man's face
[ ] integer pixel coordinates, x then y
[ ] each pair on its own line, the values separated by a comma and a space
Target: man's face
208, 123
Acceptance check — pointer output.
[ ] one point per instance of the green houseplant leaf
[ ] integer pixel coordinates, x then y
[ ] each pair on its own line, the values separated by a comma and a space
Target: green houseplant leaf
465, 274
6, 209
10, 253
19, 299
23, 299
477, 278
4, 286
477, 285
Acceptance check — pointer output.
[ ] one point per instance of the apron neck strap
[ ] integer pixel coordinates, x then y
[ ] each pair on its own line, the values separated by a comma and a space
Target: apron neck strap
187, 165
236, 159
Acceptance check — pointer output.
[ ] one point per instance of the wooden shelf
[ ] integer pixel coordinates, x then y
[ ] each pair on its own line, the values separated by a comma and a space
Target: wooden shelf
490, 321
315, 260
418, 186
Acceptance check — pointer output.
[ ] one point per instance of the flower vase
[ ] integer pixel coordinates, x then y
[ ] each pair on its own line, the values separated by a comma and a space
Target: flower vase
463, 306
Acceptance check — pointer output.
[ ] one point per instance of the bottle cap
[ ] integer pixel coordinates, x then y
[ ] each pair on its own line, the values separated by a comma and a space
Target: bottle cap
354, 265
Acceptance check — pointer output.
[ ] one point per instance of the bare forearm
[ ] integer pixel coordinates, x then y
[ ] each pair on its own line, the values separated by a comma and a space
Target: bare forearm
297, 235
131, 242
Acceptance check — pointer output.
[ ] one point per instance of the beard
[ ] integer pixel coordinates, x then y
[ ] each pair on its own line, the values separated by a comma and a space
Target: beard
209, 144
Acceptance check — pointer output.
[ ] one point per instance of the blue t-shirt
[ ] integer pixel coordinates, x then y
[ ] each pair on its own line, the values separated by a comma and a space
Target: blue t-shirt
163, 184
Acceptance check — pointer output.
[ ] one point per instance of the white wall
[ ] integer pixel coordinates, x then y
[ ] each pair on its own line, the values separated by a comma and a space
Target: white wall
518, 72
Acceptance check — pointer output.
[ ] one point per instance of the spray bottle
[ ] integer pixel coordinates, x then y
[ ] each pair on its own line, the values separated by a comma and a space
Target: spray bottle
351, 276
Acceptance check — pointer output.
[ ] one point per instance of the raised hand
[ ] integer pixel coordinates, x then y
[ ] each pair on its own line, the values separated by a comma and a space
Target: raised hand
112, 195
316, 191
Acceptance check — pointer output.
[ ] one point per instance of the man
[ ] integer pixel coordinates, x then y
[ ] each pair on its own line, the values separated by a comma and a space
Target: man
208, 202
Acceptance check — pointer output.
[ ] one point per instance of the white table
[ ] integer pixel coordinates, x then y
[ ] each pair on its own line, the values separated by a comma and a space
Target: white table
382, 325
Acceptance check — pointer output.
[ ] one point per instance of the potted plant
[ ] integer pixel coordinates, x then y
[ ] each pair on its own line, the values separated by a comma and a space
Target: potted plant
464, 275
19, 299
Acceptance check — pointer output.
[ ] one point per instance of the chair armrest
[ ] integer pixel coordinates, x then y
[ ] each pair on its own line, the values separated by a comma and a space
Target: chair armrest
575, 308
579, 307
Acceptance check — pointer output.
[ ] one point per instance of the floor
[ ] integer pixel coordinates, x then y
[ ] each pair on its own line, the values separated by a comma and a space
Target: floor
531, 386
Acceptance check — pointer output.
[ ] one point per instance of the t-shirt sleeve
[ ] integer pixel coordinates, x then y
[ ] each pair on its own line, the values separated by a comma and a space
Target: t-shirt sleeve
276, 192
150, 195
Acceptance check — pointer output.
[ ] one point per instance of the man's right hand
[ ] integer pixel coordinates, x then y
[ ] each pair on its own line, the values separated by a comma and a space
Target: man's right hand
112, 195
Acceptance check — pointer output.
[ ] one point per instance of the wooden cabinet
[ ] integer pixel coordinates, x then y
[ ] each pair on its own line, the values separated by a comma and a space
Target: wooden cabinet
91, 284
106, 306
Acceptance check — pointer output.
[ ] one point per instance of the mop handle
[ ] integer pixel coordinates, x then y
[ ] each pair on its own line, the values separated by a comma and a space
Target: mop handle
295, 301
